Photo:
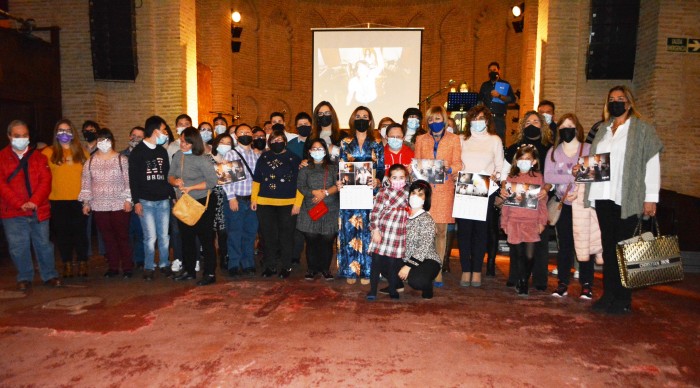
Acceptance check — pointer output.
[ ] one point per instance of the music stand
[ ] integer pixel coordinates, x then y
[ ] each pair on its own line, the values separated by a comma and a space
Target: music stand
461, 102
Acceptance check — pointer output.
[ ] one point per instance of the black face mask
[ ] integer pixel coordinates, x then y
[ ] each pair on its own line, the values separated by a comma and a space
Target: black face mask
245, 140
567, 134
259, 143
361, 125
304, 130
493, 76
325, 121
89, 136
616, 108
531, 132
278, 127
277, 147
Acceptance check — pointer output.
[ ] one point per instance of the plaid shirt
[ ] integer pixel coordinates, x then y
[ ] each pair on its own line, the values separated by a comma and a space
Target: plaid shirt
244, 187
390, 216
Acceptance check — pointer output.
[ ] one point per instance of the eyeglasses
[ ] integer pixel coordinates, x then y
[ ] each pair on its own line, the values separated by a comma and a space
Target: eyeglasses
328, 113
318, 149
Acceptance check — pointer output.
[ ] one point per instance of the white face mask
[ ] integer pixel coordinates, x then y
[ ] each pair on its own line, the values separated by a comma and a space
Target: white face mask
524, 165
220, 129
382, 131
20, 143
450, 130
415, 201
104, 145
180, 129
547, 118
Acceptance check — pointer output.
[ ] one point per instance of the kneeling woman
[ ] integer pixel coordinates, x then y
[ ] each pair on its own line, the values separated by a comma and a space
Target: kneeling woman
422, 262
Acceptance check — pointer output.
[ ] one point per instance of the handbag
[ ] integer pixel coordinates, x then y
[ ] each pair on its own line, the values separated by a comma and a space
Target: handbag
187, 209
555, 204
648, 259
320, 209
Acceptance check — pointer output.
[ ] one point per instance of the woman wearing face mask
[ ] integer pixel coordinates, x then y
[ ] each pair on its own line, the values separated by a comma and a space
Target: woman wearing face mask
220, 147
561, 159
633, 189
105, 191
276, 201
207, 134
353, 258
421, 262
482, 153
66, 158
441, 145
325, 126
395, 151
220, 125
533, 129
411, 124
317, 182
191, 172
302, 122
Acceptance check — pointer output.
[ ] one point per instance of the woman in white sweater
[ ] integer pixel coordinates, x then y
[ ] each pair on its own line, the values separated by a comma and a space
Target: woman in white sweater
482, 153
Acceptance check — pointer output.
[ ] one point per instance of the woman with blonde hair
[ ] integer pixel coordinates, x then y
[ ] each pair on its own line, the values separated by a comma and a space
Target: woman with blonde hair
66, 159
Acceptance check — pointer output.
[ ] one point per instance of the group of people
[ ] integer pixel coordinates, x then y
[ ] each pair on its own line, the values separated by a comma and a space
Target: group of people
286, 195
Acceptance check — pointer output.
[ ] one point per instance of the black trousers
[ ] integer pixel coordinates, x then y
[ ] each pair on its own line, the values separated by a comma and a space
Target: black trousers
69, 225
204, 231
389, 268
472, 239
612, 230
567, 253
421, 276
539, 261
277, 226
319, 251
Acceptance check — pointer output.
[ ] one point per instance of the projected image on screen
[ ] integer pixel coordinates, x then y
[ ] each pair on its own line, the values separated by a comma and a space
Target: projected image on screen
349, 72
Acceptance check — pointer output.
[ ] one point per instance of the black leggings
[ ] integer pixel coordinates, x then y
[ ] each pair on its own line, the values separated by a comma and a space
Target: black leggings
421, 276
70, 229
319, 251
523, 254
389, 268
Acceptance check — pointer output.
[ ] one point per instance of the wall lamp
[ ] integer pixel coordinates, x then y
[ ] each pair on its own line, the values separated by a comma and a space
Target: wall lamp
236, 31
519, 18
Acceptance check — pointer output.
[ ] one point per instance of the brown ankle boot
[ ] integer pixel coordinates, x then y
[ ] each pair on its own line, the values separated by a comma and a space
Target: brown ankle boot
83, 271
67, 270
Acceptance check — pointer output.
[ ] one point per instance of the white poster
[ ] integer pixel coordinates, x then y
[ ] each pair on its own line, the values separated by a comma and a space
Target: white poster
358, 188
471, 196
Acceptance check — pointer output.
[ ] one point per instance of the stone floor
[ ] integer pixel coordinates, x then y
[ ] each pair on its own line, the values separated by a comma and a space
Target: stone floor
255, 332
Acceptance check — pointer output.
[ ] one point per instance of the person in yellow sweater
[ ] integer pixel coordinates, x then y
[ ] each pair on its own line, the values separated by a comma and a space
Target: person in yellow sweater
275, 199
66, 159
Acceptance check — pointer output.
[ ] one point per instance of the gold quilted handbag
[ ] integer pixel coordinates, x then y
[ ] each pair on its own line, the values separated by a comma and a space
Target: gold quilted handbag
649, 259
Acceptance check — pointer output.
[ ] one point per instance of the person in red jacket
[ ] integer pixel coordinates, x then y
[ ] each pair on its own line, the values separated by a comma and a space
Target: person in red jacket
396, 151
25, 184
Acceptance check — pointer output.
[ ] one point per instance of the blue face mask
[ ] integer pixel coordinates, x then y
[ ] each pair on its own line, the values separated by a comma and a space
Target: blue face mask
161, 139
436, 127
187, 152
394, 143
318, 155
223, 149
524, 165
20, 143
413, 123
206, 136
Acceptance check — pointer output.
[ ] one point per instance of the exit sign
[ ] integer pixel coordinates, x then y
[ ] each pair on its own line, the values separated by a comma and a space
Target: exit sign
679, 45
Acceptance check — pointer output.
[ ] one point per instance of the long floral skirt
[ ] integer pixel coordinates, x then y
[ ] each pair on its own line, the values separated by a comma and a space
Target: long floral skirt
353, 240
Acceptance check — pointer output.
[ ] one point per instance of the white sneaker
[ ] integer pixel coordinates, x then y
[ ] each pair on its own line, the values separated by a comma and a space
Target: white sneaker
176, 265
196, 267
575, 274
554, 272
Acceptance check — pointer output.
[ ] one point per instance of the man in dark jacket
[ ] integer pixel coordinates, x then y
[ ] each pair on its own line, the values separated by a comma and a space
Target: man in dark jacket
25, 184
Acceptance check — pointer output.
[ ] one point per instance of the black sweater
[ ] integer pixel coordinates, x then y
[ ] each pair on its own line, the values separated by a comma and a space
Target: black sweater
148, 174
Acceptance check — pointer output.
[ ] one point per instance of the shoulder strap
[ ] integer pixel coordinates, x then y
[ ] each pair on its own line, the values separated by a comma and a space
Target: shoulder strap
244, 162
23, 166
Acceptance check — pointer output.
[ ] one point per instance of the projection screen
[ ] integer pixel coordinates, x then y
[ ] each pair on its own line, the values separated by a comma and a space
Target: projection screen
377, 68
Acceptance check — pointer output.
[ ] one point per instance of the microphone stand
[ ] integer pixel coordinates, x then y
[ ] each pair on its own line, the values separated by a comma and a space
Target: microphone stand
427, 99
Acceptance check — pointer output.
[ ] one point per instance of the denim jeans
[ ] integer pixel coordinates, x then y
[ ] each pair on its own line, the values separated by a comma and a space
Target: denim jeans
18, 241
242, 227
154, 222
136, 238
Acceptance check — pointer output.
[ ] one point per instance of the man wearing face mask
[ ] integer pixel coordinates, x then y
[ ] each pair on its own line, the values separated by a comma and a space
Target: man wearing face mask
181, 122
90, 129
277, 121
24, 207
151, 193
135, 137
546, 109
412, 117
496, 102
303, 125
259, 140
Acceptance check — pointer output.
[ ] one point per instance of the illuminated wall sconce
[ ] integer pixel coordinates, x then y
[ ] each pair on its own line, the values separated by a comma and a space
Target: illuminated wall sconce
236, 32
519, 17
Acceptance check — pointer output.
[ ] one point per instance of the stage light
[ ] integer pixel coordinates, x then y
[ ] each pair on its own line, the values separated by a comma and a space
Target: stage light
518, 10
236, 16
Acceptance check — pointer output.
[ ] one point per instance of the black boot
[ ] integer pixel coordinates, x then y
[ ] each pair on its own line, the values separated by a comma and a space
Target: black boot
449, 240
522, 288
492, 241
491, 265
